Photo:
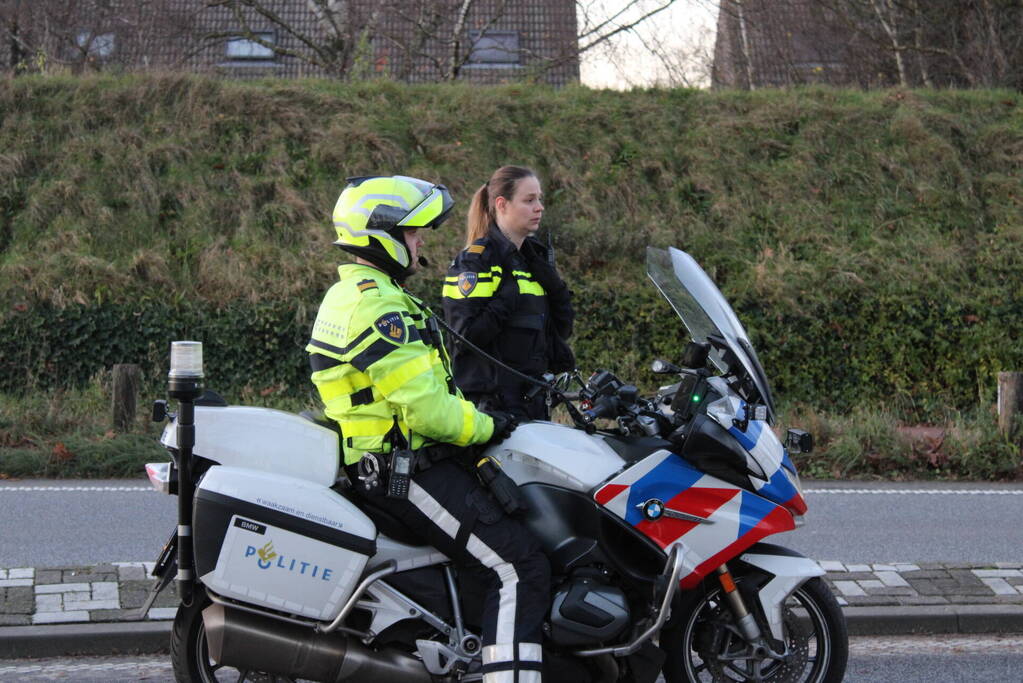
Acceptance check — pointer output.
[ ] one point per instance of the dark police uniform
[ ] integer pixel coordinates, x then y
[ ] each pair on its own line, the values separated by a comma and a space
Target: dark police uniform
514, 306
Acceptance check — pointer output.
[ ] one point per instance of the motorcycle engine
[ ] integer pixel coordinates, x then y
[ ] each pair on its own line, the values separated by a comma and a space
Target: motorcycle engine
587, 611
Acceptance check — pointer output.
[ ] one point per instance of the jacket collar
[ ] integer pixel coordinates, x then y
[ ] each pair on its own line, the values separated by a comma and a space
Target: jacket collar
501, 244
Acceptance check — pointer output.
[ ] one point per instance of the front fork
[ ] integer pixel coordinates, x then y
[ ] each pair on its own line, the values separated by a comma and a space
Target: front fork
745, 620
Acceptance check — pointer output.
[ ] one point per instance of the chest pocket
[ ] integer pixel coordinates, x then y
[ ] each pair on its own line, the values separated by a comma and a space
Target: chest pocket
522, 345
528, 321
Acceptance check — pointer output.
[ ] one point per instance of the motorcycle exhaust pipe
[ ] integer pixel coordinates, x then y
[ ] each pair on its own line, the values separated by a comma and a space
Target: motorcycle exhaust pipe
248, 641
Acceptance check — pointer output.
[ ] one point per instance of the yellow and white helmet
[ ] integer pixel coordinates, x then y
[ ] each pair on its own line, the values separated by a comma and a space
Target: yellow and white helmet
373, 211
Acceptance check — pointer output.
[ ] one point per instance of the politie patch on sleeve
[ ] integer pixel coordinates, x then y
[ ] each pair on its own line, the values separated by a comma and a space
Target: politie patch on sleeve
392, 327
467, 282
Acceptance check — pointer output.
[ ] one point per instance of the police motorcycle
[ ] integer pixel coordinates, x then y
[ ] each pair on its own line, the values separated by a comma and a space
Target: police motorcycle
654, 530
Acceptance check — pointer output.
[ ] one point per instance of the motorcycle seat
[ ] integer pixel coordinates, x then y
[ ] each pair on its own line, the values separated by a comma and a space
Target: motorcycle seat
385, 522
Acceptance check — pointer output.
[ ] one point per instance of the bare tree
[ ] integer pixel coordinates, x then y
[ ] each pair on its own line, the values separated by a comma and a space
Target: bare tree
602, 23
910, 43
974, 43
92, 35
328, 42
673, 46
440, 32
422, 39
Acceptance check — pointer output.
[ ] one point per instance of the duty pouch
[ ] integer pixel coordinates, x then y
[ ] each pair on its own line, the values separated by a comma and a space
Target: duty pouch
503, 487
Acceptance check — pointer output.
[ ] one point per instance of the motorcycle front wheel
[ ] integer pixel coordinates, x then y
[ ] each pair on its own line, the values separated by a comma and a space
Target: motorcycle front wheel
190, 655
704, 645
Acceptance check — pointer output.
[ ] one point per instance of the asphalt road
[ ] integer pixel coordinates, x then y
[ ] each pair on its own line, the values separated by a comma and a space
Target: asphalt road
54, 523
911, 522
997, 659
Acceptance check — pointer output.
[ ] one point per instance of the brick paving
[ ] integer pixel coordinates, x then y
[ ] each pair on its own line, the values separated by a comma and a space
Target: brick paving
97, 593
906, 585
116, 591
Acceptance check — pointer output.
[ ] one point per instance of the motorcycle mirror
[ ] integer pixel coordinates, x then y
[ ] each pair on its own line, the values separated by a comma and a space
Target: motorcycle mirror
798, 441
695, 354
159, 410
663, 367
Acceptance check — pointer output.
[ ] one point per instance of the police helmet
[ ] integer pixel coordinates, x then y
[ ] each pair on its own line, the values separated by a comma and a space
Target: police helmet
373, 212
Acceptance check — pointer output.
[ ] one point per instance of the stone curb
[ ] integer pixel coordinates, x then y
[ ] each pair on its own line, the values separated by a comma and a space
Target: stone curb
937, 619
88, 609
123, 638
60, 640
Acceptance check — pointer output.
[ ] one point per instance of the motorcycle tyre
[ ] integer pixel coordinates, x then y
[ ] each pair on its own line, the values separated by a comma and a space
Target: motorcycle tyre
188, 651
815, 590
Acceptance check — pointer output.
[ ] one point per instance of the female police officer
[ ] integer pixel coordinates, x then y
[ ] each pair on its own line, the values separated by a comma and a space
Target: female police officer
381, 369
503, 294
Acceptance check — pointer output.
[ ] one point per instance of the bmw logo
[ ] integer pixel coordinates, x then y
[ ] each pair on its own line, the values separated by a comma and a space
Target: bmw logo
653, 509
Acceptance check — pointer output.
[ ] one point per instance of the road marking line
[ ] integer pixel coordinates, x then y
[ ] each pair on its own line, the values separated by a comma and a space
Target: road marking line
935, 492
137, 665
74, 488
863, 646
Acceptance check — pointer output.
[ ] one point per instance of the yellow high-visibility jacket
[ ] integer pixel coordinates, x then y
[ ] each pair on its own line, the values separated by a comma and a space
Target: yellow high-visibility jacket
377, 363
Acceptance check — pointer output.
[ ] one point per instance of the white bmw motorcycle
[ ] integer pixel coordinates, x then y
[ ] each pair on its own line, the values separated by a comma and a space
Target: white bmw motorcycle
654, 530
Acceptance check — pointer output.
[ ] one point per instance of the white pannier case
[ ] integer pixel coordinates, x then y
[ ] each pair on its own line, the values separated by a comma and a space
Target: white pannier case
281, 542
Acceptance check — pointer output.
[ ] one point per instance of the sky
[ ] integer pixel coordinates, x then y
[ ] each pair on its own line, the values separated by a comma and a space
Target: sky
683, 34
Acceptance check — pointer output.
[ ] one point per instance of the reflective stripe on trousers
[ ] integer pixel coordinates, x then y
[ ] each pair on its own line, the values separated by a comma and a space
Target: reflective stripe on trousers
502, 555
500, 664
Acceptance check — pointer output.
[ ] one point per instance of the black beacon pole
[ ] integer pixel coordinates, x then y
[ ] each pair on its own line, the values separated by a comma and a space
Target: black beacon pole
184, 382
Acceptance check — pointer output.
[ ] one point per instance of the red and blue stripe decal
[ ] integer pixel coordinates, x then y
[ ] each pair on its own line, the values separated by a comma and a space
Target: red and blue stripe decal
779, 488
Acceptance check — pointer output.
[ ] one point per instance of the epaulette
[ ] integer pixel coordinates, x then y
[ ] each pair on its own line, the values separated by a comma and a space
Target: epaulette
366, 285
476, 248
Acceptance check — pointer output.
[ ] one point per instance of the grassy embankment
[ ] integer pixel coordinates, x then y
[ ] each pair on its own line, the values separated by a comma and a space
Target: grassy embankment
869, 241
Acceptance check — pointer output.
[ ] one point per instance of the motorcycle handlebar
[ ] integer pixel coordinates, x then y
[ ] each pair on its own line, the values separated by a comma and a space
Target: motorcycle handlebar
604, 407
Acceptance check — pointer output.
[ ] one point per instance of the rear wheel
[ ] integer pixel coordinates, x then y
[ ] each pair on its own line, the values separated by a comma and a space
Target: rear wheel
706, 646
190, 654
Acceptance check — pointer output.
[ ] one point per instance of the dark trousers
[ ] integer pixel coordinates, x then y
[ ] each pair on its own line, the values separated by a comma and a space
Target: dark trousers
448, 508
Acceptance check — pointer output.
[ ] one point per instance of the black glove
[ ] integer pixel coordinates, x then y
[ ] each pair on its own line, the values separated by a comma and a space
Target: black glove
504, 425
546, 274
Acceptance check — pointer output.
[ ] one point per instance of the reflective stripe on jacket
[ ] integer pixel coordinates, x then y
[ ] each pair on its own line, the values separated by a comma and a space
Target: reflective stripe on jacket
376, 363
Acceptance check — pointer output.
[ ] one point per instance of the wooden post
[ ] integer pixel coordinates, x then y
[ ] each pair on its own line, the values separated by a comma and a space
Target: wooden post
1010, 399
127, 377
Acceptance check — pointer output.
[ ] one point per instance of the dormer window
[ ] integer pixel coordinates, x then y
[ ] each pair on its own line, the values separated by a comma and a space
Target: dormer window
494, 49
247, 49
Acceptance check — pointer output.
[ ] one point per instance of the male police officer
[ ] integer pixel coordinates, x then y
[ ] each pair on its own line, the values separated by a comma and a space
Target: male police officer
380, 366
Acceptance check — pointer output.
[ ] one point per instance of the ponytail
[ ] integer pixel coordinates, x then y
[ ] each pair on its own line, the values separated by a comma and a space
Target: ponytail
481, 210
479, 219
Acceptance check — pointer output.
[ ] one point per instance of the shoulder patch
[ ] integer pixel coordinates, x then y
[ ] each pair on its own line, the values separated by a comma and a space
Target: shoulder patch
363, 285
476, 249
392, 327
467, 282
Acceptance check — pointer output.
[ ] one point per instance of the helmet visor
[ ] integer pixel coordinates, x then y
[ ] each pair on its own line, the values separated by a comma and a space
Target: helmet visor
432, 210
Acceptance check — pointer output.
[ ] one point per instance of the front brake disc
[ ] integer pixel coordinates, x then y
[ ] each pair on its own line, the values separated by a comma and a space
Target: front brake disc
723, 651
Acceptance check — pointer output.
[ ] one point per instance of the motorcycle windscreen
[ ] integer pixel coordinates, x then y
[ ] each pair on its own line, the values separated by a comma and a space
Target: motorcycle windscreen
705, 312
